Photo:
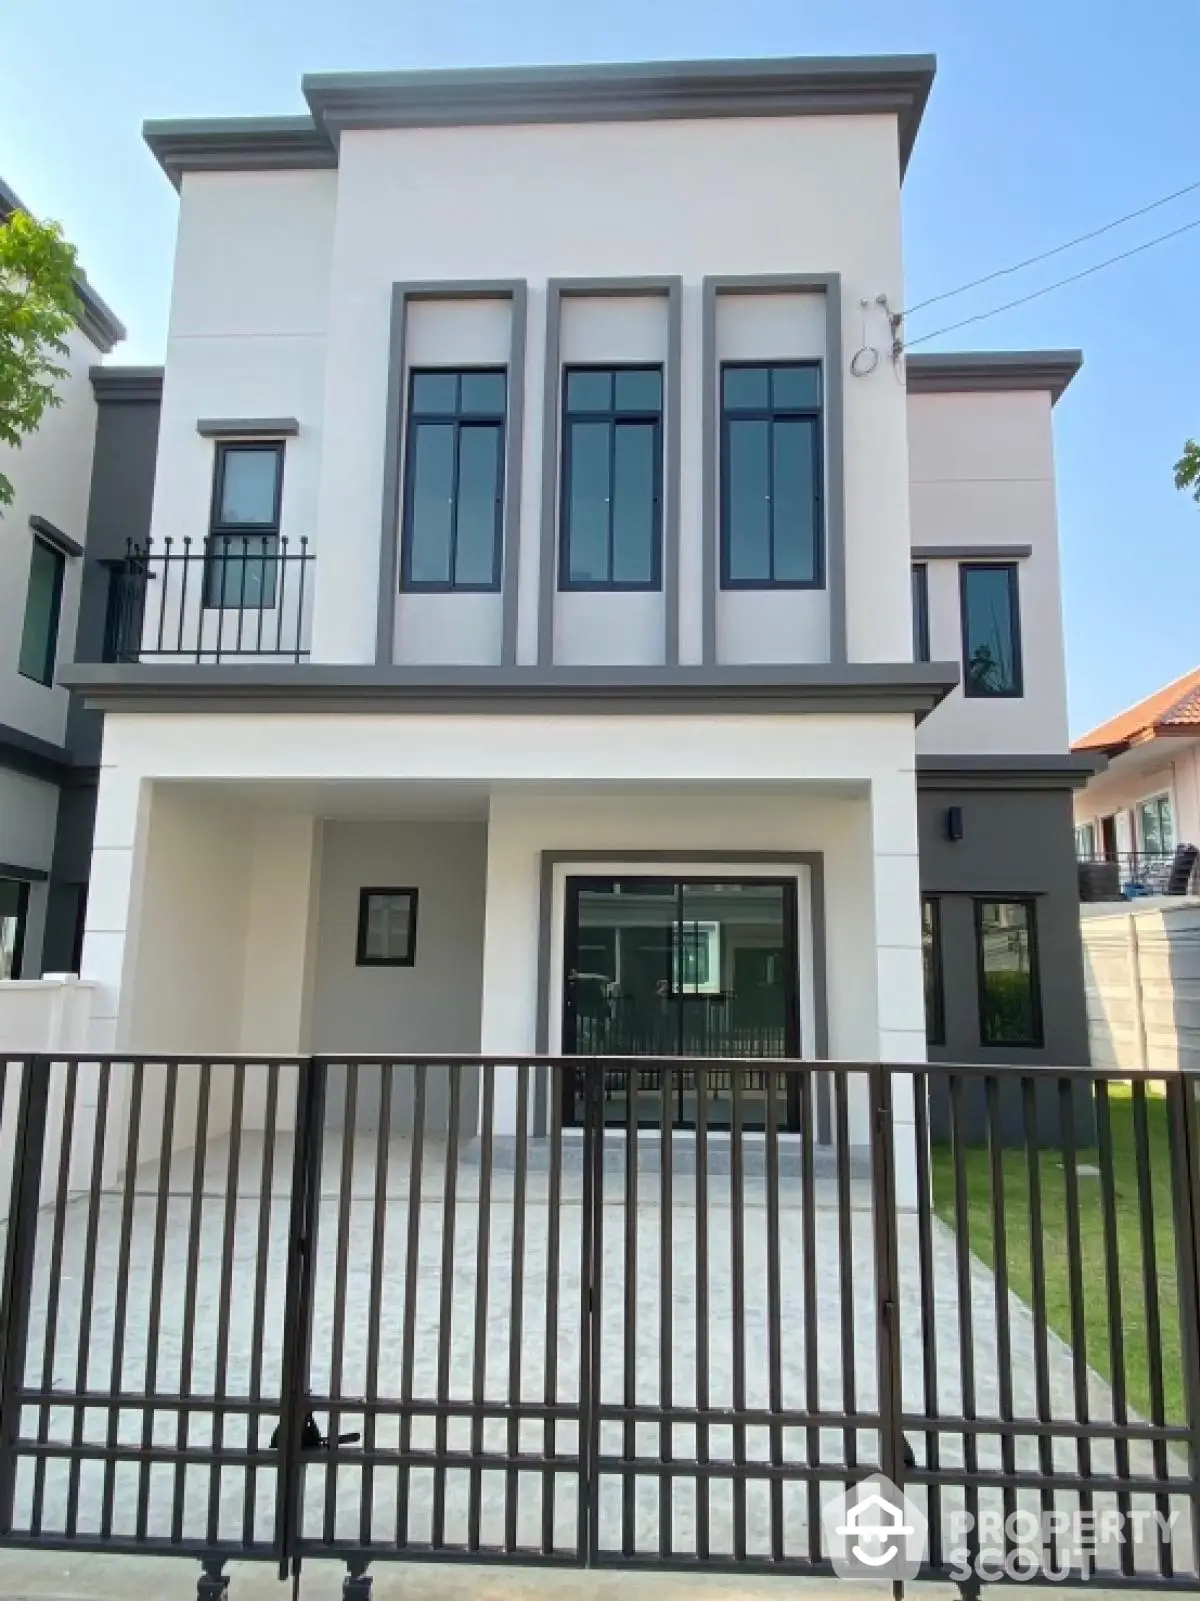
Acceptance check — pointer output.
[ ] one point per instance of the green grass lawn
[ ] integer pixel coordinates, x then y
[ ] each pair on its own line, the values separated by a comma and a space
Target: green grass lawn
1138, 1356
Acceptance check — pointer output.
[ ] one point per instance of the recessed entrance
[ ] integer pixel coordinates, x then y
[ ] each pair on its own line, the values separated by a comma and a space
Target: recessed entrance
696, 967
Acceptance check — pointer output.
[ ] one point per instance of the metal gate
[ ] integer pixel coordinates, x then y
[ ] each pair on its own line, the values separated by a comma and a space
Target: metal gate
404, 1309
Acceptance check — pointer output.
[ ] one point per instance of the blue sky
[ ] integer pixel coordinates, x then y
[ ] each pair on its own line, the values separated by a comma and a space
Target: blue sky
1046, 120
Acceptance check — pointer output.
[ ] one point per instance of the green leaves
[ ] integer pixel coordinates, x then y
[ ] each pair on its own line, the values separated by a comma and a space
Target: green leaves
1187, 469
38, 305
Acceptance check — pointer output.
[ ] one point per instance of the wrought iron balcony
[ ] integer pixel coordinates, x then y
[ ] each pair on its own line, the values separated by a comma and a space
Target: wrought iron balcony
212, 600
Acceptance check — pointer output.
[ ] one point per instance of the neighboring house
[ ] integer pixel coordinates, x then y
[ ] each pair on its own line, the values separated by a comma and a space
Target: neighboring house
1146, 802
532, 663
47, 792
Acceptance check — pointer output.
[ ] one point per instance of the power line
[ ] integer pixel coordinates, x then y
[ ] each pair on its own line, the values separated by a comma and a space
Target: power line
1061, 283
1045, 255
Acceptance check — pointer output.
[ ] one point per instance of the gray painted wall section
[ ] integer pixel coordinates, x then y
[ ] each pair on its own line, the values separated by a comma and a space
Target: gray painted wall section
515, 290
1015, 843
830, 285
556, 290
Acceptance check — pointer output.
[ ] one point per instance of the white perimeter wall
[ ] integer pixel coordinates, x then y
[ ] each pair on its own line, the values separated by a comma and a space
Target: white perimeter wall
983, 474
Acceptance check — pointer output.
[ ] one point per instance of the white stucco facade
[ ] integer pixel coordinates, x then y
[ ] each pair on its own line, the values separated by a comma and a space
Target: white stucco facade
236, 834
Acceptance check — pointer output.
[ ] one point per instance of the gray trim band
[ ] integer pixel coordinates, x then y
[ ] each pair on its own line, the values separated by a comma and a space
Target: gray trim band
971, 552
635, 91
61, 542
912, 688
558, 289
830, 285
27, 875
247, 427
93, 317
35, 758
799, 86
1007, 772
516, 291
237, 144
813, 860
988, 371
128, 385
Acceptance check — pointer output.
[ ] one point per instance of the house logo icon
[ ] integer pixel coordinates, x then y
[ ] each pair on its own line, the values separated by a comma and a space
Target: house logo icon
873, 1531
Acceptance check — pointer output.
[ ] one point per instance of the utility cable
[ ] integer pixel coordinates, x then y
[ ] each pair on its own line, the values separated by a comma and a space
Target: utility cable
1087, 272
1045, 255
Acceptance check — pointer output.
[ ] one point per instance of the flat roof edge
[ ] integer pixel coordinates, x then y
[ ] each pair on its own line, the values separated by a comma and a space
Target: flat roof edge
972, 371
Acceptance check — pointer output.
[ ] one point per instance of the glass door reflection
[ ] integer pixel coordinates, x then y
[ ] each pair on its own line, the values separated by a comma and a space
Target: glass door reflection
702, 968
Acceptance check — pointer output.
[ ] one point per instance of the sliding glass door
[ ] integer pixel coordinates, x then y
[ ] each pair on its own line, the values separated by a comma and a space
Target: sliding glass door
696, 967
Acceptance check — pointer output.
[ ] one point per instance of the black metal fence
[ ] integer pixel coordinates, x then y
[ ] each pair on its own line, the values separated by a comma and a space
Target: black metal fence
401, 1308
229, 597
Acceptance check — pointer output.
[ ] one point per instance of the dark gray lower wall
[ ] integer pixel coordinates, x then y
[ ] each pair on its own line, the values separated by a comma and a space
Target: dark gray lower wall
69, 874
1014, 843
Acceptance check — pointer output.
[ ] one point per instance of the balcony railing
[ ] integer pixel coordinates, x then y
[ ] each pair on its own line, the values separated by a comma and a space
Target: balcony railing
211, 600
1128, 875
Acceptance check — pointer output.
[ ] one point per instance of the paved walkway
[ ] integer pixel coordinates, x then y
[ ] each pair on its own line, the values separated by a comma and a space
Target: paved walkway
235, 1325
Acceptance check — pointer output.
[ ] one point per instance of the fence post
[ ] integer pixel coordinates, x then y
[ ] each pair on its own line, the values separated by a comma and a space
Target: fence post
301, 1256
883, 1207
16, 1286
1184, 1135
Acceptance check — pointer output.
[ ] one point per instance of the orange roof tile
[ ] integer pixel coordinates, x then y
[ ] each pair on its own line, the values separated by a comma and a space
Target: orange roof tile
1177, 707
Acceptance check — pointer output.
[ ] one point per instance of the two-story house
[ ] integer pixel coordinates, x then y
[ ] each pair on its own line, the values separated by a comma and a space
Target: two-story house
47, 781
567, 625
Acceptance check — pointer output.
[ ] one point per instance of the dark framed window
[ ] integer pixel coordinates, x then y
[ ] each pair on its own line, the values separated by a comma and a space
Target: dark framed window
1010, 1003
931, 955
452, 535
14, 909
387, 928
772, 522
920, 608
610, 528
991, 630
243, 535
43, 604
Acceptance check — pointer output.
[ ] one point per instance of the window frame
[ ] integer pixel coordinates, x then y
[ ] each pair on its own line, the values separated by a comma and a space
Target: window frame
772, 414
1086, 840
935, 1026
613, 418
22, 922
50, 651
361, 959
920, 605
1029, 902
1012, 569
1157, 801
458, 419
214, 587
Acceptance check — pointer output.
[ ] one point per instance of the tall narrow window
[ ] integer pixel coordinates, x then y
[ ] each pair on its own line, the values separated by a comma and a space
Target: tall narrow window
243, 538
772, 534
920, 608
1156, 830
43, 603
991, 630
1010, 1009
612, 479
931, 952
454, 481
14, 906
